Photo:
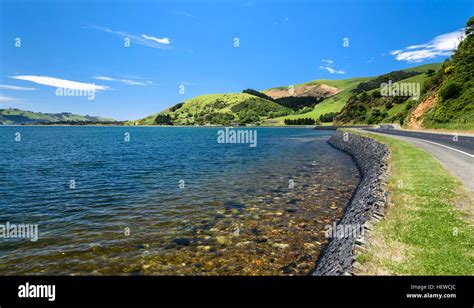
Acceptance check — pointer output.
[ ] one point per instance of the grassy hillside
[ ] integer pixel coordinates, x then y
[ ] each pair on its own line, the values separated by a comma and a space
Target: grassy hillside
332, 104
448, 102
219, 109
16, 116
367, 104
354, 100
424, 68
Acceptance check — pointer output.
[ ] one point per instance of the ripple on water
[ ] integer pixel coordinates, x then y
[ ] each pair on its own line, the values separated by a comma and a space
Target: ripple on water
237, 212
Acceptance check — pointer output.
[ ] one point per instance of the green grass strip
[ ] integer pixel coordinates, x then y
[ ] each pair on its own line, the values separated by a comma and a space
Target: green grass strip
425, 232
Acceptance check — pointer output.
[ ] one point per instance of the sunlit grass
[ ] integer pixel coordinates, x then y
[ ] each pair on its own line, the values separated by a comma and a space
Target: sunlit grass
424, 232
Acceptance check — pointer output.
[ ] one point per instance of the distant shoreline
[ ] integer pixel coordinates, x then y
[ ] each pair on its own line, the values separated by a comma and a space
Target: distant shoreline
169, 126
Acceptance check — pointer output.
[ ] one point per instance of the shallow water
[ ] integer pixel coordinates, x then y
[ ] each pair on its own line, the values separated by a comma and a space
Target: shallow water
237, 214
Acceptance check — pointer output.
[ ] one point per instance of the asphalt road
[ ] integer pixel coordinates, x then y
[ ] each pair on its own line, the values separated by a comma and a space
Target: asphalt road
462, 143
458, 158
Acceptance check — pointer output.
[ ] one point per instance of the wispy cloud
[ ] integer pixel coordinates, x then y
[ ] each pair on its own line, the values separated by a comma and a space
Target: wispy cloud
143, 39
15, 88
7, 99
286, 19
61, 83
187, 14
331, 70
124, 81
188, 83
440, 46
327, 65
164, 40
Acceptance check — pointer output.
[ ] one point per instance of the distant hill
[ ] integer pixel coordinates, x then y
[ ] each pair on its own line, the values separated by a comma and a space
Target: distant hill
446, 94
441, 97
314, 90
217, 109
368, 104
17, 117
331, 104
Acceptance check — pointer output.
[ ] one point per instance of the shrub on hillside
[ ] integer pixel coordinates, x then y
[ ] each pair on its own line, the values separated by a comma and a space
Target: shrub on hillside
259, 107
248, 117
258, 94
451, 89
430, 72
433, 82
216, 118
327, 117
176, 107
163, 119
300, 121
375, 83
298, 102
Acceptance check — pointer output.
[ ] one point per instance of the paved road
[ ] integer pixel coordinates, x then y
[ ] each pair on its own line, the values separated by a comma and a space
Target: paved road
462, 143
456, 159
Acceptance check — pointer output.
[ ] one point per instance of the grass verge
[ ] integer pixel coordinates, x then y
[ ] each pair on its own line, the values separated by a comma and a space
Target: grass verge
425, 231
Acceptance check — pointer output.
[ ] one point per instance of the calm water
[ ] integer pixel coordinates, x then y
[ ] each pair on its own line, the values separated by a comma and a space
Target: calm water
236, 214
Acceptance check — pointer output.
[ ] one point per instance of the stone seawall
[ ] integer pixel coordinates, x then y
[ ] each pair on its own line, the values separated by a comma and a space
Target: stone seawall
367, 204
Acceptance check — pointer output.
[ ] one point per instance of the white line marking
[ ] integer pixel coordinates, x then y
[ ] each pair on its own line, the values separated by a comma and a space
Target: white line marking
442, 145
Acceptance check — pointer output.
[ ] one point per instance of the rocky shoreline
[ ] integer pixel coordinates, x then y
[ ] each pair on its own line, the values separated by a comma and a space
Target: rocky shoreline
366, 206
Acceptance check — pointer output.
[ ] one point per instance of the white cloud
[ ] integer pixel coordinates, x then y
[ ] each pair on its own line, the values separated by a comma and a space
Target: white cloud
331, 70
124, 81
7, 87
328, 67
6, 99
104, 78
61, 83
164, 40
140, 40
440, 46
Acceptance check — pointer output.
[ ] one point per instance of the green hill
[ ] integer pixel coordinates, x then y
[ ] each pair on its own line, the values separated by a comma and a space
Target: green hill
348, 101
448, 100
368, 104
17, 116
332, 104
217, 109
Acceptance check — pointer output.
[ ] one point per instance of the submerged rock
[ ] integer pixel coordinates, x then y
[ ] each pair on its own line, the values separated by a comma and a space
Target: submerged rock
182, 241
230, 205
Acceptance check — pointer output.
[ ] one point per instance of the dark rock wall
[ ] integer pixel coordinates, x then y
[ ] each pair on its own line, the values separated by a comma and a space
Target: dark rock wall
366, 206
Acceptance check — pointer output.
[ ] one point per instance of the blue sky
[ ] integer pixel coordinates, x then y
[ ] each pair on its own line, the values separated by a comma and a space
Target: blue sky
192, 44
